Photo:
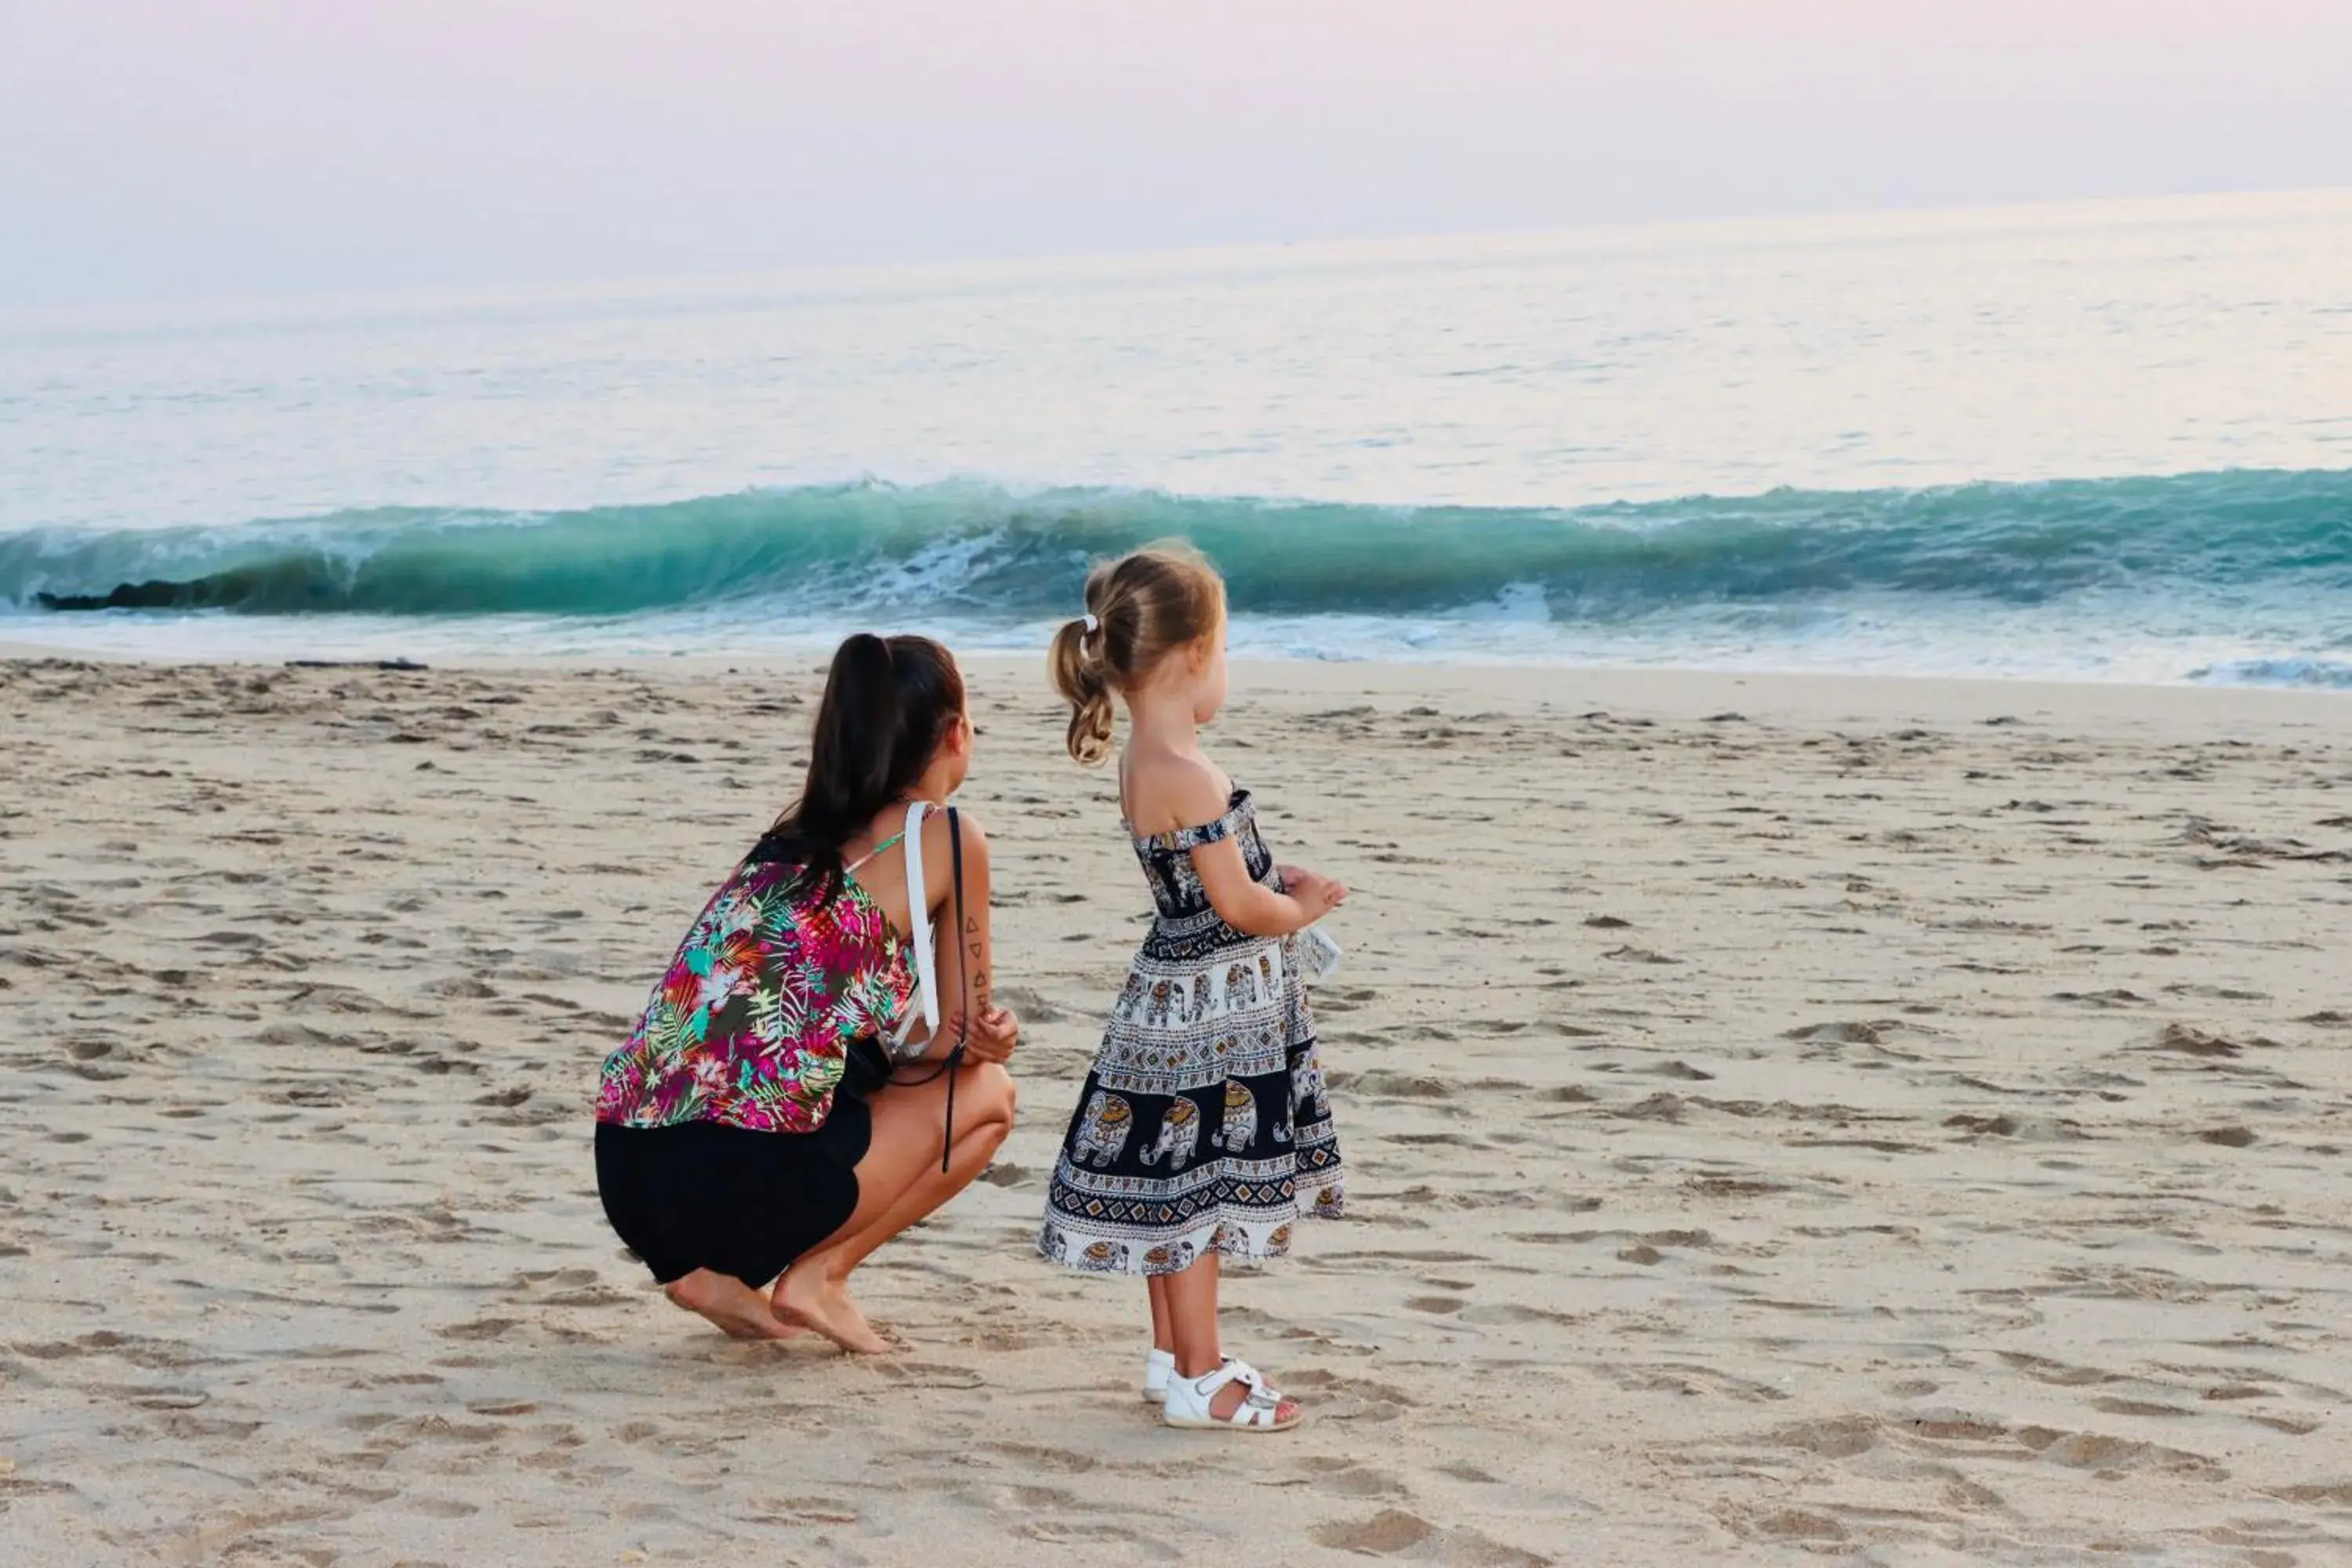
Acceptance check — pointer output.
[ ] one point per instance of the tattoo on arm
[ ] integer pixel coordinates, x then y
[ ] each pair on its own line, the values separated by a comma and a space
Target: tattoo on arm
977, 947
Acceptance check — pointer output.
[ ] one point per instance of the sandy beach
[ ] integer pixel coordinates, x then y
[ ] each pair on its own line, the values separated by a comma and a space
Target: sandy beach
1789, 1119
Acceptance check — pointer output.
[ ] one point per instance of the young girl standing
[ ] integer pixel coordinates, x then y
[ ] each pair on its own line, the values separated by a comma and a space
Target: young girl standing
1203, 1130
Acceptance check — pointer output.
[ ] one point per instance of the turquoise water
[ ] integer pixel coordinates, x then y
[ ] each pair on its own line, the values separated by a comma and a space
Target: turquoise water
2102, 441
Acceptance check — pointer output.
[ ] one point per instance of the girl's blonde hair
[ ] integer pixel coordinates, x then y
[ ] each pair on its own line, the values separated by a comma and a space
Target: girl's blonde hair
1145, 605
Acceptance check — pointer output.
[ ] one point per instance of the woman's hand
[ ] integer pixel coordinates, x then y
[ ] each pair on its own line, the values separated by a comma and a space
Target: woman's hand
1316, 893
993, 1037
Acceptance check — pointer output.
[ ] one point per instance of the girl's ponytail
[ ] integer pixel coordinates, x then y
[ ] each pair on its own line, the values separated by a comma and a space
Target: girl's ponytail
1078, 675
1140, 609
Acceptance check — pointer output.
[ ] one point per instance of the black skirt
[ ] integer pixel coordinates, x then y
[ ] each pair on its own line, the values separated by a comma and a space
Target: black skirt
702, 1194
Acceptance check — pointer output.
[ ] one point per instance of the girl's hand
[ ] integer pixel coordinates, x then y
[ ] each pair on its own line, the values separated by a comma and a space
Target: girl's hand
993, 1037
1318, 894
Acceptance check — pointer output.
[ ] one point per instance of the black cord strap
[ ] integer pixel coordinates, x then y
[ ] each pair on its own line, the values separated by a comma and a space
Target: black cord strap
963, 983
954, 1058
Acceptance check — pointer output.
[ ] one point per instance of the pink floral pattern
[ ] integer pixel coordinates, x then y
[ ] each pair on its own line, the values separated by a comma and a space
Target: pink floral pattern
752, 1024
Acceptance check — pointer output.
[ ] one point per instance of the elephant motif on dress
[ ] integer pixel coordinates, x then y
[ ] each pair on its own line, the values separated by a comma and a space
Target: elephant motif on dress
1306, 1088
1171, 1257
1240, 1125
1180, 1135
1103, 1131
1131, 996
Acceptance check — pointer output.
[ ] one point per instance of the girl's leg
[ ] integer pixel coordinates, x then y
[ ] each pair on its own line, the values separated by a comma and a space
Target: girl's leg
898, 1183
1191, 1300
1163, 1331
1192, 1303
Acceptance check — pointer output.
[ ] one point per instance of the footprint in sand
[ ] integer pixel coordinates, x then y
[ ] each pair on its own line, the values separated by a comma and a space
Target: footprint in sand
2192, 1042
1384, 1534
1638, 955
1846, 1031
1354, 1480
1395, 1532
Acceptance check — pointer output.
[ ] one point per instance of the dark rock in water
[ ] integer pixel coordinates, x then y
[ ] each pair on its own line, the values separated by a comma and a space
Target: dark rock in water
155, 595
302, 581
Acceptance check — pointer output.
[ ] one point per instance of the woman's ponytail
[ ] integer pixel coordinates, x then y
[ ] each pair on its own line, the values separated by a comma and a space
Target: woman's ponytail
889, 702
862, 708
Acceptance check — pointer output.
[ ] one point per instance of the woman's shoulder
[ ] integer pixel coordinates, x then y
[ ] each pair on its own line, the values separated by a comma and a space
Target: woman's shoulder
941, 834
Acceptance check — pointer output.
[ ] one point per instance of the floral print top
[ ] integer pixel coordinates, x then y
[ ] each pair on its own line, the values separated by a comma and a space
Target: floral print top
752, 1024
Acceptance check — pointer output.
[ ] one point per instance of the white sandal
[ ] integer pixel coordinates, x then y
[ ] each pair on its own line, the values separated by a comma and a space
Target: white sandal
1189, 1402
1157, 1368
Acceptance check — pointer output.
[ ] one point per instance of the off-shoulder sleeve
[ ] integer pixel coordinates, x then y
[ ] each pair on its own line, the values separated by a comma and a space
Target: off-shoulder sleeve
1186, 839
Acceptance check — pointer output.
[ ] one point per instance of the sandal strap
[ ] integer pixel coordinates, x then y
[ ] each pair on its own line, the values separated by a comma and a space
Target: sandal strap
1260, 1404
1259, 1407
1213, 1383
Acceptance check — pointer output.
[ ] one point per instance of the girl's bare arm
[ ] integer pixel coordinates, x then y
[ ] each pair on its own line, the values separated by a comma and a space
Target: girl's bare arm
1192, 793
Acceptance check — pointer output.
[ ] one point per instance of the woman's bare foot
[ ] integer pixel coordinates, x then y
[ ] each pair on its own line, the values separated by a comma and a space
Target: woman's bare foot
806, 1297
740, 1312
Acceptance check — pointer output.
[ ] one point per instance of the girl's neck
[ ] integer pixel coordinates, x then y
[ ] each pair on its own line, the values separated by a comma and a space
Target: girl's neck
1162, 720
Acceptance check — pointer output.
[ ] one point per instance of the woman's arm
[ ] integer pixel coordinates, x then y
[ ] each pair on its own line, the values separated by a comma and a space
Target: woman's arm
963, 952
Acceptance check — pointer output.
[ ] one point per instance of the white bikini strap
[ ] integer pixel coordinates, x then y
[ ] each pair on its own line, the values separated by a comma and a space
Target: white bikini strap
919, 920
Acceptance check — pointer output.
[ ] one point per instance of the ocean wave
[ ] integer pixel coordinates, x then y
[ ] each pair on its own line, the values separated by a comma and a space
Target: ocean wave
979, 550
2324, 674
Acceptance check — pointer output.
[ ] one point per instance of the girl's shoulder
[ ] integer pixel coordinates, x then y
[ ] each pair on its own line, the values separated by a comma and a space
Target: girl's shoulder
1171, 793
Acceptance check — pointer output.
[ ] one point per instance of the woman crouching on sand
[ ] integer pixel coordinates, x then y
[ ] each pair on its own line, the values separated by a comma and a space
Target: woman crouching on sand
792, 1098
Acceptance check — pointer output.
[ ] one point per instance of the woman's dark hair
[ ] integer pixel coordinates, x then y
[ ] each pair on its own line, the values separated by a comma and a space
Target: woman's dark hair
889, 702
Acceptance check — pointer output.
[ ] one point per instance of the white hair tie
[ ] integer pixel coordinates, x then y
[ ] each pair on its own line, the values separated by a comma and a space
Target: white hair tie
1094, 622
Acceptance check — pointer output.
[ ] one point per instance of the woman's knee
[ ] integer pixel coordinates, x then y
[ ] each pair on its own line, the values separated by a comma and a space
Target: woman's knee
993, 1099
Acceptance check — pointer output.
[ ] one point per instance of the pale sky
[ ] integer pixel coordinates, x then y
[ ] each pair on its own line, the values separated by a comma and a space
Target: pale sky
161, 149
